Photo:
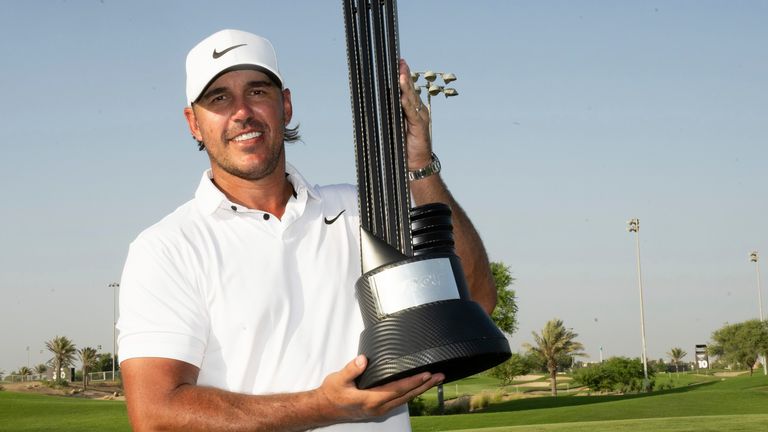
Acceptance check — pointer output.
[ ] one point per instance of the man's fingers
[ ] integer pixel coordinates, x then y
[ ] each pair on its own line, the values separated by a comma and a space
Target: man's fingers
405, 76
405, 385
417, 121
354, 368
410, 101
403, 398
413, 385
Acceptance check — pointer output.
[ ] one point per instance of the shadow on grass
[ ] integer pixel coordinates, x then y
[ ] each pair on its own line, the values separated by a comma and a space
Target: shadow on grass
571, 400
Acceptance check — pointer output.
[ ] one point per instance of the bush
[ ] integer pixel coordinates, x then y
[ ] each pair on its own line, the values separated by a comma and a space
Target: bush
479, 401
459, 405
617, 373
595, 377
417, 407
516, 365
59, 383
485, 398
497, 396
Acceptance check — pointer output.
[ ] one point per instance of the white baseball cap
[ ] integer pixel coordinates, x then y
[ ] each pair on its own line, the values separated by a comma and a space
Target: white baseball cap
228, 50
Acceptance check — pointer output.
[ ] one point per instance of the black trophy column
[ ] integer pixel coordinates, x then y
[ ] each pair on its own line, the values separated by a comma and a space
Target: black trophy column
413, 294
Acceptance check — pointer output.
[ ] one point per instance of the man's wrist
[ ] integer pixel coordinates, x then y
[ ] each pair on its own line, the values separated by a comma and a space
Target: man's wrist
433, 167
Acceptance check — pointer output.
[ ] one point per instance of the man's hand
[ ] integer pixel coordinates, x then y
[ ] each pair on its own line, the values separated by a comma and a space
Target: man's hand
351, 403
417, 137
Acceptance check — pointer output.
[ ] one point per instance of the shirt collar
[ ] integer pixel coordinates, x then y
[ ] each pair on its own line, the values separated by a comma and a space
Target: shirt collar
209, 198
299, 183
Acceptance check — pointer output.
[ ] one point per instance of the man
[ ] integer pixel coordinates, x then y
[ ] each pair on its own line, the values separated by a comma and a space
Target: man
237, 311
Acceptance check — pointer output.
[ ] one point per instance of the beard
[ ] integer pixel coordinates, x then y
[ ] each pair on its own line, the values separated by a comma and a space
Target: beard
223, 158
256, 172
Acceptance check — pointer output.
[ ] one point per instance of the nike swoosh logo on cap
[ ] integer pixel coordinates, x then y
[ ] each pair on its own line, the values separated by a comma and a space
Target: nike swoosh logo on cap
219, 54
330, 221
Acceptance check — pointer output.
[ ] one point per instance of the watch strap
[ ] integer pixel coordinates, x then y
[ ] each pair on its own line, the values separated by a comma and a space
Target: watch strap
434, 167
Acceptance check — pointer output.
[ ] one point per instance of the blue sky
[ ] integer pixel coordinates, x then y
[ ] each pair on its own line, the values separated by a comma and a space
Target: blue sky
573, 117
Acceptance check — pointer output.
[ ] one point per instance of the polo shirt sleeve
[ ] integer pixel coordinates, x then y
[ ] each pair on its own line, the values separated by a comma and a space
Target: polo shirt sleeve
162, 312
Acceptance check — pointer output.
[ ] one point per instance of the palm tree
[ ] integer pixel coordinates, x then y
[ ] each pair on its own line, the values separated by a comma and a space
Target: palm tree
676, 355
41, 369
63, 354
24, 372
88, 361
554, 342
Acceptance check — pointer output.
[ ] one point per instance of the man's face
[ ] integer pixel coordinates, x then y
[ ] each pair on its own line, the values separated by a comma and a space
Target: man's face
240, 118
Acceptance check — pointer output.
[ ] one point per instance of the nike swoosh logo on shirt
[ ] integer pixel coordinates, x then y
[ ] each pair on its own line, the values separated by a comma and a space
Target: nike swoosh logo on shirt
330, 221
219, 54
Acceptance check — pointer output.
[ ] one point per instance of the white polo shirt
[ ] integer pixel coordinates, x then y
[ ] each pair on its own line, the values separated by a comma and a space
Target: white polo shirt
259, 304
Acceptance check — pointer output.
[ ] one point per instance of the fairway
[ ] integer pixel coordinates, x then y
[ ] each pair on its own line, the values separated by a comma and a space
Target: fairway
733, 396
735, 404
32, 412
732, 423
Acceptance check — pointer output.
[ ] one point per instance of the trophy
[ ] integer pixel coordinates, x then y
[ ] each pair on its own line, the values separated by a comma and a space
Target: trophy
413, 294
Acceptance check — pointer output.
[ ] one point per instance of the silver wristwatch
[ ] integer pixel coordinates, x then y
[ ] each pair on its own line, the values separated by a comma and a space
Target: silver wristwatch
432, 168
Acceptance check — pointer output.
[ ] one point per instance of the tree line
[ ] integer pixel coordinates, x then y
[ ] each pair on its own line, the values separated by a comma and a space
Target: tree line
65, 354
736, 346
555, 349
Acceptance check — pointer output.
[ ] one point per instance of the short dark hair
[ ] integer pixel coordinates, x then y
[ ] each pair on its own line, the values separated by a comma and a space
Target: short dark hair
290, 134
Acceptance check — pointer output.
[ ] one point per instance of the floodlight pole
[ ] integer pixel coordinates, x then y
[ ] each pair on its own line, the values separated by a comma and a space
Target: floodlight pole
431, 88
754, 257
633, 225
115, 286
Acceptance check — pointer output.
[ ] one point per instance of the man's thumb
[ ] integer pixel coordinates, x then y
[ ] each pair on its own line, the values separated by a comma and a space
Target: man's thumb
354, 368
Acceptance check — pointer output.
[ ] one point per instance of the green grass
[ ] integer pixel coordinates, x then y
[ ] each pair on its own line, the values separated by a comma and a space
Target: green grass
32, 412
683, 379
733, 396
734, 404
731, 423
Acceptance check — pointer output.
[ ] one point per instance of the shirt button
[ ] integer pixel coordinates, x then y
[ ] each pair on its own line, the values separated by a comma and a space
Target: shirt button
234, 208
266, 216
